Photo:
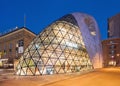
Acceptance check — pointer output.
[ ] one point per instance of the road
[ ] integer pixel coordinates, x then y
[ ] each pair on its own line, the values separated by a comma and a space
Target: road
100, 77
103, 77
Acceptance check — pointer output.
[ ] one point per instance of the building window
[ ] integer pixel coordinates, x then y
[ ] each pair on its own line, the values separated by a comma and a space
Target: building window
0, 48
10, 50
112, 52
111, 42
10, 47
16, 49
5, 48
112, 47
112, 56
21, 43
4, 52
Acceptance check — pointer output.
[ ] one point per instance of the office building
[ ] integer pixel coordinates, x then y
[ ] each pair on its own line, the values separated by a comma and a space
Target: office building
114, 26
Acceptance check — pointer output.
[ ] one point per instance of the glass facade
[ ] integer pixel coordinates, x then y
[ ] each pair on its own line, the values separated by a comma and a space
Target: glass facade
57, 49
70, 44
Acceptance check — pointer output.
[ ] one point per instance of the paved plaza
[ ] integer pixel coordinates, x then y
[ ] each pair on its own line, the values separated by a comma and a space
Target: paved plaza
99, 77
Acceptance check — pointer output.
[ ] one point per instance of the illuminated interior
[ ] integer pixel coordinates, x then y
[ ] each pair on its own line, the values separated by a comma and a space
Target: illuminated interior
57, 49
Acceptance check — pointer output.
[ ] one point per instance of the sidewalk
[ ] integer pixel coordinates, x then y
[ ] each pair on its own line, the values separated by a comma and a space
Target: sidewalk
6, 74
43, 80
6, 71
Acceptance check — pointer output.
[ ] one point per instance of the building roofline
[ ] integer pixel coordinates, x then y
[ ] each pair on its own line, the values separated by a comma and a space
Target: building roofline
17, 29
110, 39
29, 30
116, 15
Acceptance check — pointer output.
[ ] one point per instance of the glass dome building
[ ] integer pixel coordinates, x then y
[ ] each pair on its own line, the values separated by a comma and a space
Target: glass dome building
70, 44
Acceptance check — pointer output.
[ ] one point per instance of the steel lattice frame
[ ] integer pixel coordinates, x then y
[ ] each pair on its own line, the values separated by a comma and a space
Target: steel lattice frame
59, 48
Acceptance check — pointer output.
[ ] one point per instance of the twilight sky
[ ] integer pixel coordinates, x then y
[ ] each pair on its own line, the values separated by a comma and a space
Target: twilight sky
41, 13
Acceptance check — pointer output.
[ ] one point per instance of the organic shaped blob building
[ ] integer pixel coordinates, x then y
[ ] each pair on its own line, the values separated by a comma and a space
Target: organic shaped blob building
70, 44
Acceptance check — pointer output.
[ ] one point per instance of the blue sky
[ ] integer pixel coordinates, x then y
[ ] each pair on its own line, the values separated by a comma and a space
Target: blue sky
41, 13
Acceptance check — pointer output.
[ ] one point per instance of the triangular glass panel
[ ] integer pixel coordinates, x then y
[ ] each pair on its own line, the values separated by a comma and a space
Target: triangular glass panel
29, 72
49, 62
45, 60
22, 72
53, 61
31, 63
62, 69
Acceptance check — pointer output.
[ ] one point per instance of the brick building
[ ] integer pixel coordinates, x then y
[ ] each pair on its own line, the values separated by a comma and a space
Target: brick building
13, 44
111, 52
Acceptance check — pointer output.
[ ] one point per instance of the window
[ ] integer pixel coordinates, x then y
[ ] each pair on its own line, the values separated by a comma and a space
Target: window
111, 42
0, 48
112, 52
21, 43
10, 47
112, 56
16, 49
5, 48
112, 47
10, 50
